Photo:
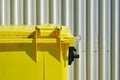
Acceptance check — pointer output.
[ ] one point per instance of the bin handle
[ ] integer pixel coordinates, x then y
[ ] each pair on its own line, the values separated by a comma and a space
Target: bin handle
73, 50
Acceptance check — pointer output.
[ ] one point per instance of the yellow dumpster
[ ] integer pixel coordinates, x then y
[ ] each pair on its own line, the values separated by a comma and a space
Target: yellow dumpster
34, 52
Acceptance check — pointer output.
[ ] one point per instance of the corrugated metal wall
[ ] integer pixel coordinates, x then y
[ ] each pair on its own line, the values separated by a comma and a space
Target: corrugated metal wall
96, 21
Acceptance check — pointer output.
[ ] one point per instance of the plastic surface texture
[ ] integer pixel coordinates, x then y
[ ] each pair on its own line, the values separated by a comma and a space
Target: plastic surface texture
34, 52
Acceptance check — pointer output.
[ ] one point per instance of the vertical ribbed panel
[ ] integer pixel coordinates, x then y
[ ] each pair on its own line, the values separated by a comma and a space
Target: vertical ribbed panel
30, 12
42, 11
68, 20
115, 39
92, 43
68, 14
21, 12
60, 11
105, 40
16, 12
5, 12
54, 12
80, 29
96, 21
8, 11
34, 12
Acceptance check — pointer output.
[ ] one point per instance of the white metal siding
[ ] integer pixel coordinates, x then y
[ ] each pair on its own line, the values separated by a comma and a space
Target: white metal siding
96, 21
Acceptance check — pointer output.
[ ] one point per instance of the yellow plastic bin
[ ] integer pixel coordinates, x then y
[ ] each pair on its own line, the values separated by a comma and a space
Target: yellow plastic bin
34, 52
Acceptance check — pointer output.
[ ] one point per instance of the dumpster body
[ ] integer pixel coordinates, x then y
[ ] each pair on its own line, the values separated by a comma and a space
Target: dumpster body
34, 52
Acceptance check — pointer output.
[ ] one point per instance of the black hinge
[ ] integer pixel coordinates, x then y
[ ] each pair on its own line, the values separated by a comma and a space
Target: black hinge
72, 55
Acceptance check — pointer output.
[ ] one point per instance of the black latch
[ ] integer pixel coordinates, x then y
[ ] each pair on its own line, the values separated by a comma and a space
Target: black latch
72, 55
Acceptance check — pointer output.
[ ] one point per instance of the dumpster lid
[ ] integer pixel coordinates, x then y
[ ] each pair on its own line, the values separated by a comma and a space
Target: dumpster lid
39, 32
